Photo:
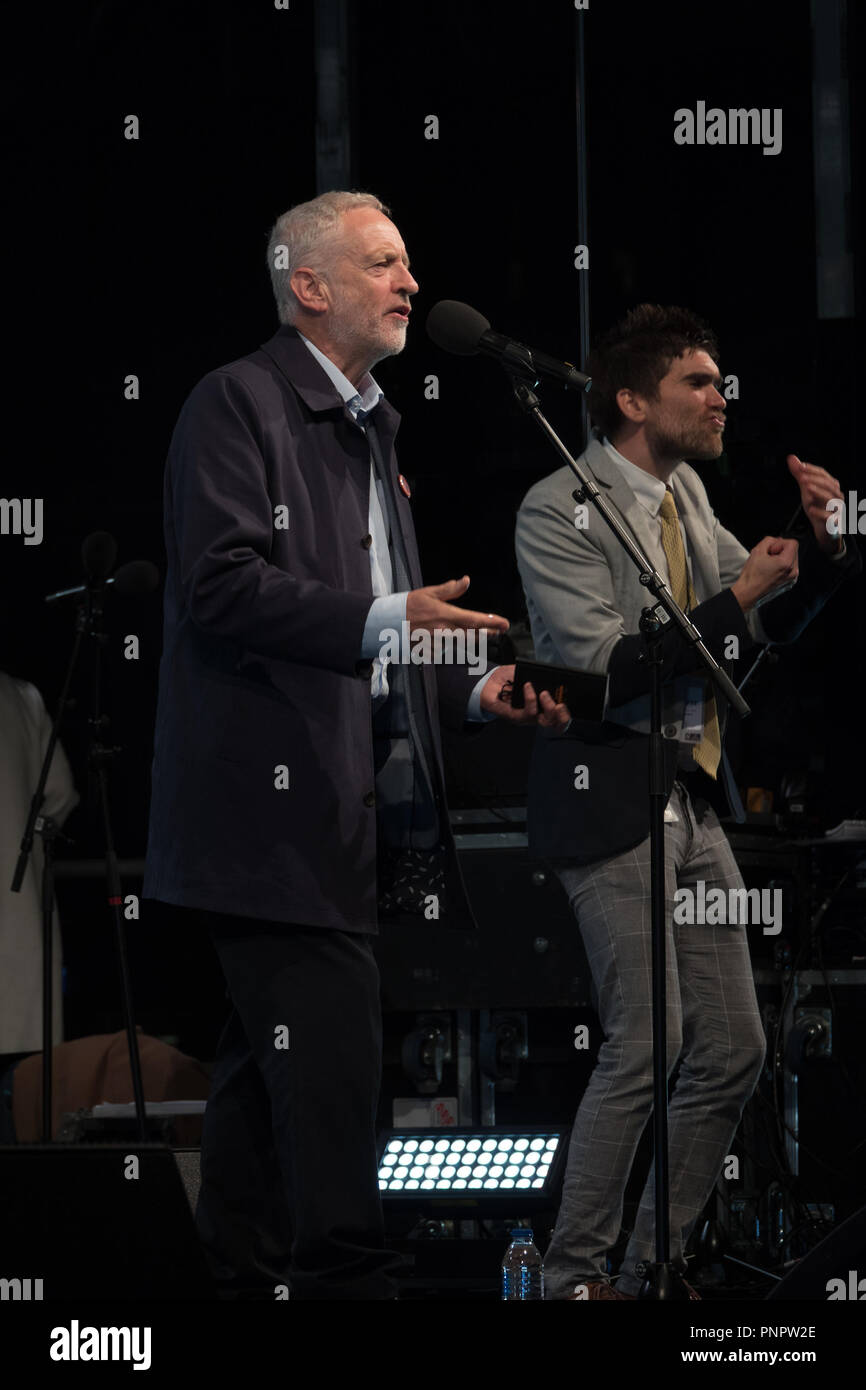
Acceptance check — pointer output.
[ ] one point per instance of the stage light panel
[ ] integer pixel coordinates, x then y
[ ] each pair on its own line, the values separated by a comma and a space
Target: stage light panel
470, 1161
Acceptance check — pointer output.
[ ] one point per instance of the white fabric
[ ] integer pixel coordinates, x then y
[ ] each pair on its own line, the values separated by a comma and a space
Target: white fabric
24, 732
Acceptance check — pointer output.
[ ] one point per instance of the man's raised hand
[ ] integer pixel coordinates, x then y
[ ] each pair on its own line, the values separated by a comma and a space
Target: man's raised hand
817, 489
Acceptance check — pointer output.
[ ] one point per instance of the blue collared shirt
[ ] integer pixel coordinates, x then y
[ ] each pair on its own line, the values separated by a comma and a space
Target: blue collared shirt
388, 610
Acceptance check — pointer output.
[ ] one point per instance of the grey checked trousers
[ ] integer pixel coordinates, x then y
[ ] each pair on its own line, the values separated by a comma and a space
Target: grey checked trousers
713, 1028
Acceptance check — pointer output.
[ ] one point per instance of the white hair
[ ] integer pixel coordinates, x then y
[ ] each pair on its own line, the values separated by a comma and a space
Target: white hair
304, 236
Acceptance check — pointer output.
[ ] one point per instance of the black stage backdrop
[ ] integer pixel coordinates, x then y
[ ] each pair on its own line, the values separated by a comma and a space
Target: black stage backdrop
146, 257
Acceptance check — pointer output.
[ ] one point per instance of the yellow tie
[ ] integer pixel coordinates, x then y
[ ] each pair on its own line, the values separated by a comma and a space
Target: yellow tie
708, 752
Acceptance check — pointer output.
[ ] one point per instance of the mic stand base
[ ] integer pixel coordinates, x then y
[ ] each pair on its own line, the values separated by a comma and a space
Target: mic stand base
663, 1282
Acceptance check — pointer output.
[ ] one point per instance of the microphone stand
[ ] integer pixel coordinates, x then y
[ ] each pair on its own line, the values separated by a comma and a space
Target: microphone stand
662, 1280
87, 623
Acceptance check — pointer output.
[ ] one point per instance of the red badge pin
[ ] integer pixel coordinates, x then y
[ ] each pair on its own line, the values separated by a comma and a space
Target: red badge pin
404, 486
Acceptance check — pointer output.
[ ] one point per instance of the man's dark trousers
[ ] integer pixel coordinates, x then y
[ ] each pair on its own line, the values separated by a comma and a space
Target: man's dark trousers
289, 1191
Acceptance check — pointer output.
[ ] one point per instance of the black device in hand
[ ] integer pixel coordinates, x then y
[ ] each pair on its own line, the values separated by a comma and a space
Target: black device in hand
582, 692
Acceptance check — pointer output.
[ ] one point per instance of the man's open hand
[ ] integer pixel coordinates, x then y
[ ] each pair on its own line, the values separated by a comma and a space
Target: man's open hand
432, 607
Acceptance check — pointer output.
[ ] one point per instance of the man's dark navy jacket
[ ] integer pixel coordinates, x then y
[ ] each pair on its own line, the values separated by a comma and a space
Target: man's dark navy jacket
260, 664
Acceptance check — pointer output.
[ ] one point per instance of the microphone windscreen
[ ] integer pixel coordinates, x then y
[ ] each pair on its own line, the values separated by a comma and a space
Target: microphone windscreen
136, 577
98, 554
456, 327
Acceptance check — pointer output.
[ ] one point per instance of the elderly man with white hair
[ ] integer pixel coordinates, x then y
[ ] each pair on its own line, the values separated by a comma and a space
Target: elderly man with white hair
298, 789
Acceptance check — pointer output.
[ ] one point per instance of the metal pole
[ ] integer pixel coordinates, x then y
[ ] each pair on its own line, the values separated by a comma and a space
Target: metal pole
582, 208
333, 139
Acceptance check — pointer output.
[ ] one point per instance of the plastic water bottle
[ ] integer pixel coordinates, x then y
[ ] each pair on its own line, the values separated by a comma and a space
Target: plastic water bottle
522, 1268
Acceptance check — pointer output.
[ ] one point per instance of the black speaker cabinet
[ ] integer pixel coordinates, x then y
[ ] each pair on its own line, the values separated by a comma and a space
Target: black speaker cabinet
97, 1221
840, 1258
831, 1086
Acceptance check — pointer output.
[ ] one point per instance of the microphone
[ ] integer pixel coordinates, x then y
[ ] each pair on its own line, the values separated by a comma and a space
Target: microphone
136, 577
457, 328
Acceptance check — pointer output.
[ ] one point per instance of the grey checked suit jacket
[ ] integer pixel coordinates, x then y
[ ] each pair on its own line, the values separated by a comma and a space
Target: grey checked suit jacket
585, 600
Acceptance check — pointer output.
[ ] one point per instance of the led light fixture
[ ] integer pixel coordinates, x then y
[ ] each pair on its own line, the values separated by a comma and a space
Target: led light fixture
467, 1166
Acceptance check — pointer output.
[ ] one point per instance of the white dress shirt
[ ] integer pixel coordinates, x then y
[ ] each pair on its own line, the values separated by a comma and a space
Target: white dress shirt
650, 492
